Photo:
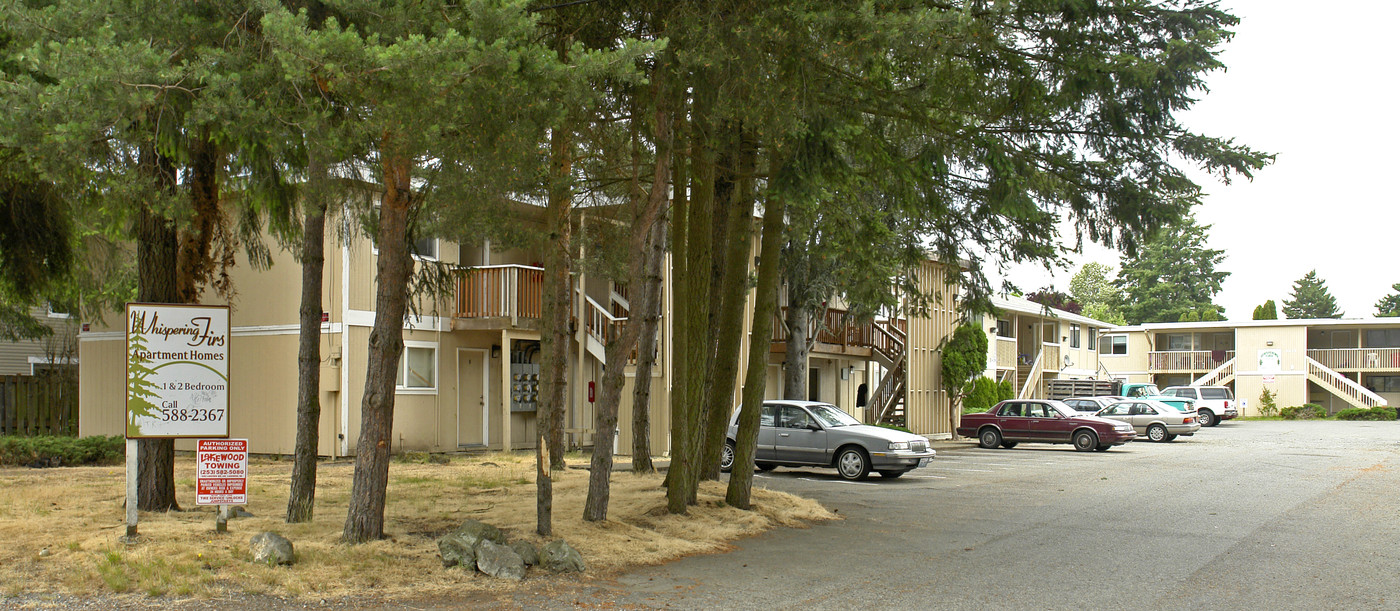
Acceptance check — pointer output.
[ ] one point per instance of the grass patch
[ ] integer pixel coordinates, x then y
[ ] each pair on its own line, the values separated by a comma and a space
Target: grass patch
180, 555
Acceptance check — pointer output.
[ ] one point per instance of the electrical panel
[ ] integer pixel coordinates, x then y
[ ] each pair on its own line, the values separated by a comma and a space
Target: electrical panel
524, 387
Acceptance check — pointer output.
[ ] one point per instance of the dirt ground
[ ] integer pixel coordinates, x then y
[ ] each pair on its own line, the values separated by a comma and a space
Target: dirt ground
60, 534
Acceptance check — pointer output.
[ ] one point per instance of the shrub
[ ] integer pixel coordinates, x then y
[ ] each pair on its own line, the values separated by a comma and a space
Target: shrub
980, 394
1361, 413
1308, 411
1268, 407
61, 451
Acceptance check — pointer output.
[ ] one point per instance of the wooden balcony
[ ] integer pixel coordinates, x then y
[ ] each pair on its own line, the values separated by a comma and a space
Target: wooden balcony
499, 296
839, 334
1358, 359
1187, 360
1006, 353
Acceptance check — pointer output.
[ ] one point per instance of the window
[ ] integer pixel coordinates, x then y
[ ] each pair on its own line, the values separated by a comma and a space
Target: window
1383, 383
1093, 338
765, 418
426, 248
418, 368
1114, 344
1074, 336
1004, 328
1383, 338
1216, 393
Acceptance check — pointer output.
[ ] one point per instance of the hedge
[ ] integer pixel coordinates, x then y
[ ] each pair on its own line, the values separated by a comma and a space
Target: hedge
1362, 413
1310, 411
45, 451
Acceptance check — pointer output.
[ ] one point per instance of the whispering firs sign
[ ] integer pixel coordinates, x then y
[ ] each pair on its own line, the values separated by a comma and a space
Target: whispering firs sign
176, 370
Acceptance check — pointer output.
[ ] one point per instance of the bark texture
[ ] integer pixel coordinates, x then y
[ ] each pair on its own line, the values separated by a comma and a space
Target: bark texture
365, 521
554, 336
649, 304
156, 262
301, 501
755, 380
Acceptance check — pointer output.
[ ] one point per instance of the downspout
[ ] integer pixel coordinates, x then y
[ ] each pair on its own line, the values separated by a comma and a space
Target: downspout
344, 434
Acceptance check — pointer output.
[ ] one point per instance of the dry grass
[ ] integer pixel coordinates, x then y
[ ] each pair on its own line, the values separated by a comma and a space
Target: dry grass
77, 515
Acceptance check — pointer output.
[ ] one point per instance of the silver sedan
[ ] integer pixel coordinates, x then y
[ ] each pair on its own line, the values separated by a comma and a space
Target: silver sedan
813, 434
1153, 419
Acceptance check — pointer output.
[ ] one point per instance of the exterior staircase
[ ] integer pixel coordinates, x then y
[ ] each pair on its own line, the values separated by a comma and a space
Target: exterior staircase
1342, 386
1219, 376
1032, 376
886, 404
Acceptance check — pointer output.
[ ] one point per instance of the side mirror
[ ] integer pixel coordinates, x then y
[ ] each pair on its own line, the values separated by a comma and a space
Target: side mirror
813, 427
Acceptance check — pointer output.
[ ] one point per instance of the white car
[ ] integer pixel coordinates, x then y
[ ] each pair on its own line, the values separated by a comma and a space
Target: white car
1213, 403
1153, 419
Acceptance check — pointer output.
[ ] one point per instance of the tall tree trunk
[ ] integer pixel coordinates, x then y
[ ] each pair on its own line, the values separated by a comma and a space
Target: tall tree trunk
365, 520
683, 479
799, 320
649, 303
737, 198
605, 415
301, 501
755, 379
554, 334
195, 266
156, 257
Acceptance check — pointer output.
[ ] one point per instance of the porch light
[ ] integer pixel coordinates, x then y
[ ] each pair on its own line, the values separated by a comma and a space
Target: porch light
495, 351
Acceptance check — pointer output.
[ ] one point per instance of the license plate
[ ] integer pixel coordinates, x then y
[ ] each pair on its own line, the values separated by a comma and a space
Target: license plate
923, 462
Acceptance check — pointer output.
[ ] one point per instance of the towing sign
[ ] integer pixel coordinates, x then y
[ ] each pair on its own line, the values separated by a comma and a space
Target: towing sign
221, 472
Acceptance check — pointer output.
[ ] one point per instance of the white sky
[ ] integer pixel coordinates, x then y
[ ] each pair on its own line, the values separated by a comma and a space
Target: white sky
1316, 84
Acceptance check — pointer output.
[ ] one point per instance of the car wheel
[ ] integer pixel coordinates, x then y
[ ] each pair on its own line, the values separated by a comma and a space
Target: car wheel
1157, 433
726, 457
892, 474
989, 438
1102, 448
1171, 437
852, 464
1086, 441
1008, 444
1207, 418
765, 466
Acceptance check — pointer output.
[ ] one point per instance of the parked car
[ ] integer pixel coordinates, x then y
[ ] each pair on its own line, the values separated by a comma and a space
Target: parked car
1154, 419
1091, 405
1137, 390
1016, 420
813, 434
1213, 403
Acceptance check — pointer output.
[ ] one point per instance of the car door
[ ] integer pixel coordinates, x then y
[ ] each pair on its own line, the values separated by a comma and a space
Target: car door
1143, 415
1012, 421
797, 441
1047, 424
767, 433
1121, 412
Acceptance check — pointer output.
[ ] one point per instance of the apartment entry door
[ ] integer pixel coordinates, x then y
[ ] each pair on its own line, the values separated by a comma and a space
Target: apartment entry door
472, 417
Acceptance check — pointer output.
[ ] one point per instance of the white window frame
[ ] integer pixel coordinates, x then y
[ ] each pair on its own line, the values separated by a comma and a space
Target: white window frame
403, 369
1108, 338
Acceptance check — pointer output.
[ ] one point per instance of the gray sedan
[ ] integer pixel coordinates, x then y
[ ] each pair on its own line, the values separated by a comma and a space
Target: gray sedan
1157, 420
809, 433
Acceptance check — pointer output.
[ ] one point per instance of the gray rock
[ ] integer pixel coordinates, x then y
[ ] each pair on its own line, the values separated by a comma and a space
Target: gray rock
272, 548
499, 561
473, 531
457, 550
559, 557
527, 552
239, 512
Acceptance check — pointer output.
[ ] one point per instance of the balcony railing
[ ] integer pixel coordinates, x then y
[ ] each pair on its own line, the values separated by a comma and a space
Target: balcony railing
1187, 360
838, 328
1357, 358
1006, 353
510, 291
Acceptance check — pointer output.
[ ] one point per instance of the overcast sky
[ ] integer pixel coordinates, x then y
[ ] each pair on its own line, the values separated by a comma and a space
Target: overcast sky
1316, 84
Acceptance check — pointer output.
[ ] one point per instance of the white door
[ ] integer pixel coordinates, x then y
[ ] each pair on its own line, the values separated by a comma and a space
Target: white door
472, 420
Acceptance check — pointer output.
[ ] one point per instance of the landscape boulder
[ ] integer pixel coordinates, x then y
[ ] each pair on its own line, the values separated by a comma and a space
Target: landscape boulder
559, 557
499, 560
457, 550
527, 552
272, 548
475, 530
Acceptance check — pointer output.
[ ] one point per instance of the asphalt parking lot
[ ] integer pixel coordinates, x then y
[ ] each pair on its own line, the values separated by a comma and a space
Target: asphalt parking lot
1278, 515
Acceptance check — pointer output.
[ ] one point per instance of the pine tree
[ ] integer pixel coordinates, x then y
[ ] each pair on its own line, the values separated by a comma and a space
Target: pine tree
1311, 299
1267, 311
1390, 304
1173, 274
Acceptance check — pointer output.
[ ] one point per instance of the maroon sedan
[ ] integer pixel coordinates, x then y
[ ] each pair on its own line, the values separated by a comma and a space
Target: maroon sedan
1016, 420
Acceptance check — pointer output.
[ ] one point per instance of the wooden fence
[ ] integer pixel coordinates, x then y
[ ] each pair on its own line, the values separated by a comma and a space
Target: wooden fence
38, 405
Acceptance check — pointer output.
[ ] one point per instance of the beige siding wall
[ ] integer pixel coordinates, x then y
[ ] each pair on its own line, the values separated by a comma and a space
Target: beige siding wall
101, 386
1290, 385
926, 405
60, 347
1133, 365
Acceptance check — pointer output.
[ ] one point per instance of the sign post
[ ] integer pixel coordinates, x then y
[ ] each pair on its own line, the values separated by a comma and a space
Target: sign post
176, 379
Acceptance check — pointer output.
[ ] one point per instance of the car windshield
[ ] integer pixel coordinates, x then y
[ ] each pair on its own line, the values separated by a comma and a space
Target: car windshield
1147, 390
830, 415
